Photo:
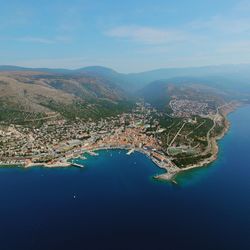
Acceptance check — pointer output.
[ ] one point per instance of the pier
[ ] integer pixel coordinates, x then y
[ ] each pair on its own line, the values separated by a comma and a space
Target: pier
82, 158
77, 165
130, 151
92, 153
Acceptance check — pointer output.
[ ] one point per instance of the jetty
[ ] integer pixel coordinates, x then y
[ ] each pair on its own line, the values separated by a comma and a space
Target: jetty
130, 151
47, 165
92, 153
77, 165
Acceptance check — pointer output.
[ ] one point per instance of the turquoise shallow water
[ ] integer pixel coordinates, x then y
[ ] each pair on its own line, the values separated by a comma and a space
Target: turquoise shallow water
114, 203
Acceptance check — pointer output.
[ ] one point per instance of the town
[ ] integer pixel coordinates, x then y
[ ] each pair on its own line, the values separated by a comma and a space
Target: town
58, 140
188, 108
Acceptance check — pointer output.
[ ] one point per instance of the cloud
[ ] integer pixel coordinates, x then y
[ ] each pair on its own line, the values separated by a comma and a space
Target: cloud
42, 40
238, 47
223, 24
235, 20
146, 35
36, 40
243, 6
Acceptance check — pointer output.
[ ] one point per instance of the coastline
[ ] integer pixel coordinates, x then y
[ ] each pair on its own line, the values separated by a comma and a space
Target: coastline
171, 169
213, 141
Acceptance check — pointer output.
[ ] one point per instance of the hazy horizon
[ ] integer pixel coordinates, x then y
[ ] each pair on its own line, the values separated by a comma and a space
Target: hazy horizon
132, 72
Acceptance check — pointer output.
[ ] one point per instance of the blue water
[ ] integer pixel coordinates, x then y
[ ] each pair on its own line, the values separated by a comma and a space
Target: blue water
115, 204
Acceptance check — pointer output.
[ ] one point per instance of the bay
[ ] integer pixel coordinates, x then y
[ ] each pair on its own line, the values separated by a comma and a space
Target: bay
114, 202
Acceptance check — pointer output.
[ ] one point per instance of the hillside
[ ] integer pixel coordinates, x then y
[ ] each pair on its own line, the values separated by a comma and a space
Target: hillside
159, 93
37, 94
96, 91
236, 77
233, 75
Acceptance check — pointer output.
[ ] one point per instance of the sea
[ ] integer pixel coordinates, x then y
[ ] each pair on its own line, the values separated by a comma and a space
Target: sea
115, 203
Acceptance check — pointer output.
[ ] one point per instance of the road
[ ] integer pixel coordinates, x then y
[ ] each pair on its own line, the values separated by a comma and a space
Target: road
216, 116
43, 118
179, 131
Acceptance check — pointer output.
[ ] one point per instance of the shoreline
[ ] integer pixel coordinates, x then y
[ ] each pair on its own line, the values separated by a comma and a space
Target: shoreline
171, 170
214, 143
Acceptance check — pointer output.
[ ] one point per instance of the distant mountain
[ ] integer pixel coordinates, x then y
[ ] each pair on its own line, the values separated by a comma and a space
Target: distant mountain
220, 70
122, 80
224, 75
98, 91
4, 68
159, 93
107, 74
12, 68
237, 75
97, 70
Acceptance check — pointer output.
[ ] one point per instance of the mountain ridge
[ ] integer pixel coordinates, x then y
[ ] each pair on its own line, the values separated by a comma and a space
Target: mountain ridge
132, 82
100, 90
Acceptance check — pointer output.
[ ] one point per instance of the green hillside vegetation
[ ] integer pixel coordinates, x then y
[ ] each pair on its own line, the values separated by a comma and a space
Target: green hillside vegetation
185, 161
26, 96
91, 110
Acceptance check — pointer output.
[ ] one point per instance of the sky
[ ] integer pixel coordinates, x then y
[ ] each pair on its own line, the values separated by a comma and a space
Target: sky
128, 36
